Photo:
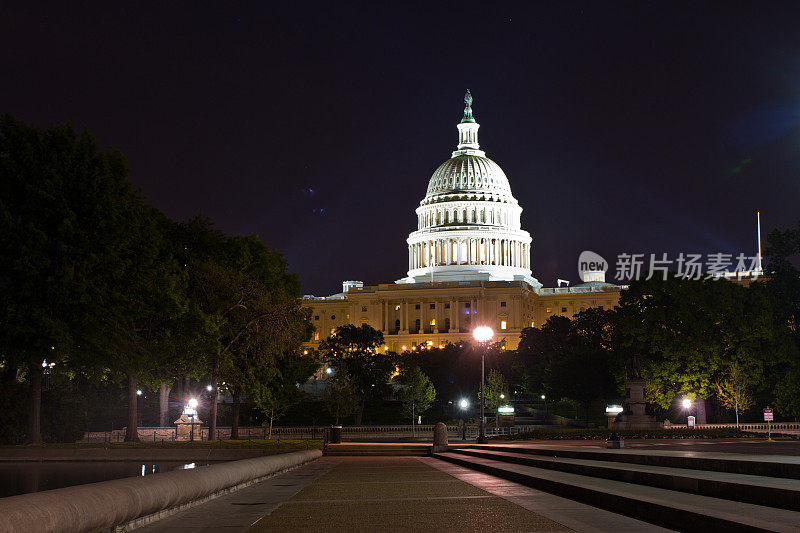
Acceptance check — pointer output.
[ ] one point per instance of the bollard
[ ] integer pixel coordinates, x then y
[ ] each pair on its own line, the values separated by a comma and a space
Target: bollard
614, 441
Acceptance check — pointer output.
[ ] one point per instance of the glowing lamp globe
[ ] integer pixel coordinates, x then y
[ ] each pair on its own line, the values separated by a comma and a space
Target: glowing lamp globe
463, 403
687, 403
193, 403
483, 334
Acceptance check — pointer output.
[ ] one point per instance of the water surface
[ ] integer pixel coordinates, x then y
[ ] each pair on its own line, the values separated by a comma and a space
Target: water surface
22, 477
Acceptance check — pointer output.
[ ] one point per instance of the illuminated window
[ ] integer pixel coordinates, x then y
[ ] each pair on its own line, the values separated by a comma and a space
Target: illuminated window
396, 307
333, 330
502, 304
316, 335
502, 324
433, 321
548, 310
532, 323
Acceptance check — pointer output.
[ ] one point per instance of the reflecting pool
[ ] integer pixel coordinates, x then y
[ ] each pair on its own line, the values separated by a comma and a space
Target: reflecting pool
22, 477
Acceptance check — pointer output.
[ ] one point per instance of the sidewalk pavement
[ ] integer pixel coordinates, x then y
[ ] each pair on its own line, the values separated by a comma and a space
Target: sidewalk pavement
392, 494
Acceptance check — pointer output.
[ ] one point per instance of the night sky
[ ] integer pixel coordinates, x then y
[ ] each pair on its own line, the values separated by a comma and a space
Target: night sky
623, 127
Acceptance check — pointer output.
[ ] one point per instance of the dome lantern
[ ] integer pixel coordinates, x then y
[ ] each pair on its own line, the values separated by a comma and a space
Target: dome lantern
468, 130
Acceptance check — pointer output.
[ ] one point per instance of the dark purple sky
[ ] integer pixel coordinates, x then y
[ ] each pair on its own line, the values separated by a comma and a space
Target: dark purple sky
630, 127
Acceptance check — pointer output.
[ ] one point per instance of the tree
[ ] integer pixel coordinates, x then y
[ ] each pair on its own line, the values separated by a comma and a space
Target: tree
144, 311
250, 305
68, 217
688, 332
496, 392
783, 288
416, 393
341, 397
575, 357
733, 391
538, 348
274, 389
354, 351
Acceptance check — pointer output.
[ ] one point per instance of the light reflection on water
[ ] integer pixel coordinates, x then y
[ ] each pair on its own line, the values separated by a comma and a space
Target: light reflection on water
22, 477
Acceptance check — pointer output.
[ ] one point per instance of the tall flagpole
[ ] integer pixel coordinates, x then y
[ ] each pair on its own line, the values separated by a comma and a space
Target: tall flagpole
758, 230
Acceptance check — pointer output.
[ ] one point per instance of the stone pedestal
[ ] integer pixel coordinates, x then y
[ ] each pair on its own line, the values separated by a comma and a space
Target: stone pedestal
188, 428
635, 416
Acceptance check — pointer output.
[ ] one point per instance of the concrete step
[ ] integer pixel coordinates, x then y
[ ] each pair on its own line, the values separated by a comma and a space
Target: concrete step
772, 492
782, 466
673, 509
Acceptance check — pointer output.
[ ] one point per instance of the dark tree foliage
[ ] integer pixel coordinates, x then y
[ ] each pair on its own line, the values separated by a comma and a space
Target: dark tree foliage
574, 358
783, 288
250, 315
354, 351
67, 219
688, 333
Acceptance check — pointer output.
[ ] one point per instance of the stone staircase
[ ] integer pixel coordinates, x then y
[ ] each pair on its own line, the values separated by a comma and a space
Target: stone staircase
678, 490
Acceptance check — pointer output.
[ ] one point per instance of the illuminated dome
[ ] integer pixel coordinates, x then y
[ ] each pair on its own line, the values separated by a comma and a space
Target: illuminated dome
469, 173
469, 222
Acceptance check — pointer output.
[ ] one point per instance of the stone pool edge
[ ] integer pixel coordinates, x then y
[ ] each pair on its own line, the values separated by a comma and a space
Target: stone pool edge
128, 503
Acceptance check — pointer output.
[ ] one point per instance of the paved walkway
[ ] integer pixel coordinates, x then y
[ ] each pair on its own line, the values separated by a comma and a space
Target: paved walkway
392, 494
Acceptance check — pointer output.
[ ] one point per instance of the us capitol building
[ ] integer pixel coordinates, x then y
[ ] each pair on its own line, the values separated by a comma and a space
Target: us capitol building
469, 265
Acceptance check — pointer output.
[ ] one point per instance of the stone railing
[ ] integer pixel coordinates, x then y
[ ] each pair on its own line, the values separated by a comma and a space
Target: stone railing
788, 428
351, 433
576, 290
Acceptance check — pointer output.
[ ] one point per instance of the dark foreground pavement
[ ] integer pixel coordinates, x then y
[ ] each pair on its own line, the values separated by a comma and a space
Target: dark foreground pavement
392, 494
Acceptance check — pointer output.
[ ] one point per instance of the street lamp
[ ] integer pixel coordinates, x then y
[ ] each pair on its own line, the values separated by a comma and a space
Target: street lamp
483, 334
464, 404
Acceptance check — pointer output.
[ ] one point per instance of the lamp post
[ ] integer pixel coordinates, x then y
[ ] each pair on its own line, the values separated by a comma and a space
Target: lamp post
687, 405
483, 334
464, 404
192, 412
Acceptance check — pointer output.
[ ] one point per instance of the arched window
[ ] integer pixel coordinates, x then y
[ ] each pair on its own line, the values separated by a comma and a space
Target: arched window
446, 325
396, 326
416, 325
